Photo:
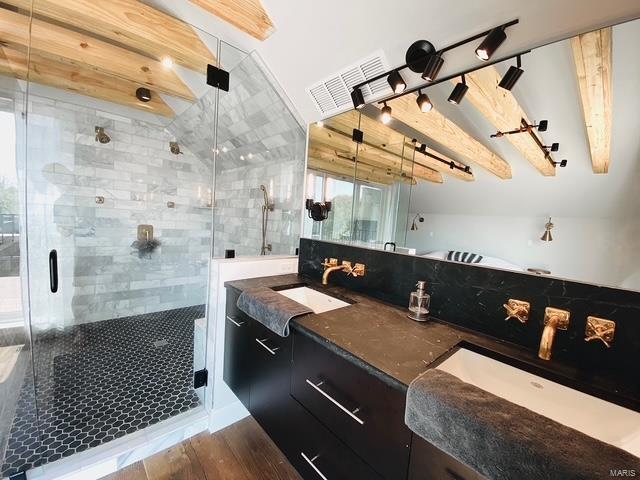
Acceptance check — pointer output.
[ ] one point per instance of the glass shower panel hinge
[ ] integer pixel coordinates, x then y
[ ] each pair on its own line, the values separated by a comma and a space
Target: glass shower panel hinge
200, 378
216, 77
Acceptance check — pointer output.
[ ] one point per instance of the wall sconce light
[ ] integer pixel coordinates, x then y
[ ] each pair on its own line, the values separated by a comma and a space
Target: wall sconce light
546, 236
318, 211
420, 219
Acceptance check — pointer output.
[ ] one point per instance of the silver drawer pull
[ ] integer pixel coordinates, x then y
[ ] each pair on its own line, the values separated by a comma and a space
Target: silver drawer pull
315, 469
272, 351
236, 323
335, 402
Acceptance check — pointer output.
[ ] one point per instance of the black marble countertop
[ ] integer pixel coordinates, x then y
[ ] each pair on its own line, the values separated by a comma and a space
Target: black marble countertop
381, 339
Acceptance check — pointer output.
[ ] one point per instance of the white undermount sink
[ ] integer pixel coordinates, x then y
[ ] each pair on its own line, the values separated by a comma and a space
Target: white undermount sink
592, 416
316, 301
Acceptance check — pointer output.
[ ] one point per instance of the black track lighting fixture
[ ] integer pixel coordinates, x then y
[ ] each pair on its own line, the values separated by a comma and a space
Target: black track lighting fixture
143, 94
433, 66
422, 57
511, 77
526, 127
458, 92
396, 82
491, 43
385, 114
357, 98
424, 103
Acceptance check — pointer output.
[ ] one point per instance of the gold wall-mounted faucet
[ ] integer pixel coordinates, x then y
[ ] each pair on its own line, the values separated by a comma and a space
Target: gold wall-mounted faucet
554, 319
331, 265
600, 329
517, 309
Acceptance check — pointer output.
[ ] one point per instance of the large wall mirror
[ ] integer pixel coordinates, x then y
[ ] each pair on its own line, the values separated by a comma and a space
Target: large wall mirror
560, 198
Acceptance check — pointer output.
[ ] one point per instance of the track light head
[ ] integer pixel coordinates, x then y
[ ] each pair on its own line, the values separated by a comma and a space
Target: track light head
396, 82
543, 125
424, 103
432, 68
357, 98
467, 169
554, 147
458, 92
491, 43
562, 163
385, 114
423, 148
511, 77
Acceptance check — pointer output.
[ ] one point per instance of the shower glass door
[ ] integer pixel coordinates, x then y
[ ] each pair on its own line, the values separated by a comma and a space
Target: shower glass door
119, 224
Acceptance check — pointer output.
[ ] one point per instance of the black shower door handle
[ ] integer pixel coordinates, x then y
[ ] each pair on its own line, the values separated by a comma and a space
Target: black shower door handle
53, 271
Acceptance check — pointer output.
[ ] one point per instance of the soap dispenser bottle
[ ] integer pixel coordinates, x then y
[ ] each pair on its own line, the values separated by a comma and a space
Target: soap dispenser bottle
419, 303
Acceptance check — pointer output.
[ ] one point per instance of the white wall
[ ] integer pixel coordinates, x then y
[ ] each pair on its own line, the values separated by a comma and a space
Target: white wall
594, 250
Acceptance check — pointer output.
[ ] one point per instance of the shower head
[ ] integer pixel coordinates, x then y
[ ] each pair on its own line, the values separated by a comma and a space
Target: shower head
101, 136
265, 194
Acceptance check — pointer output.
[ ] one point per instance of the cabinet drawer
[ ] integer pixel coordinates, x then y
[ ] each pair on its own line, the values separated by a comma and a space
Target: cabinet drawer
431, 463
360, 409
237, 355
271, 379
318, 454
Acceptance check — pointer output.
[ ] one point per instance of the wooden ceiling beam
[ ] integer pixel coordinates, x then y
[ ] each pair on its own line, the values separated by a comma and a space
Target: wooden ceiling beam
83, 51
383, 137
439, 128
81, 81
340, 142
501, 108
129, 23
593, 57
328, 161
249, 16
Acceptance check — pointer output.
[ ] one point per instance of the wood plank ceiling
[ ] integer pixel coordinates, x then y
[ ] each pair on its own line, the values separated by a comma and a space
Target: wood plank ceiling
592, 54
108, 48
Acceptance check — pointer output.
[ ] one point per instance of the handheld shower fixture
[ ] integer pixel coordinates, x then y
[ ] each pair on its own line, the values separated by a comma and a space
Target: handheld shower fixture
101, 136
266, 208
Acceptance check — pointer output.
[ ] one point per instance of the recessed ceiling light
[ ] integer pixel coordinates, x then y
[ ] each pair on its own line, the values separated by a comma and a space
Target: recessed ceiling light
224, 149
167, 62
241, 157
250, 155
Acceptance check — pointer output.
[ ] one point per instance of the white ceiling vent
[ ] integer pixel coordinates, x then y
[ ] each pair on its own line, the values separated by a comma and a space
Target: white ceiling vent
333, 95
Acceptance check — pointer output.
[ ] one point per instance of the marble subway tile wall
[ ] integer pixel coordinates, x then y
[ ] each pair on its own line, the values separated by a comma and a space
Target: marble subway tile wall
259, 141
101, 275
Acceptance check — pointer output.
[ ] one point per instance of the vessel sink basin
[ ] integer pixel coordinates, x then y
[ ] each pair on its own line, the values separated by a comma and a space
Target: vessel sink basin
316, 301
592, 416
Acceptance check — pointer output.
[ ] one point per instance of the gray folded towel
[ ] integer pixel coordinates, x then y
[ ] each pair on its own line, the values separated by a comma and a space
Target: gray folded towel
502, 440
271, 309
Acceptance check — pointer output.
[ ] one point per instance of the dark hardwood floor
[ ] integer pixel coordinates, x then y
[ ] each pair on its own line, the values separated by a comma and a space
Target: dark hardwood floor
242, 451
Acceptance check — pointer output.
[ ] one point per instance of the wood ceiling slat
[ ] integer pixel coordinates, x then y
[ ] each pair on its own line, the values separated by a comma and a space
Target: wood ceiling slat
501, 108
129, 23
83, 51
593, 57
82, 81
439, 128
247, 15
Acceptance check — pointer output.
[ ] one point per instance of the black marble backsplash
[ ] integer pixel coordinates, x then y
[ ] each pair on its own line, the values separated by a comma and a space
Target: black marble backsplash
473, 297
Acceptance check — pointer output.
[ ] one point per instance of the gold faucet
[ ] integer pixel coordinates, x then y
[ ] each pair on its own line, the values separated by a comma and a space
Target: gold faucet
331, 265
554, 319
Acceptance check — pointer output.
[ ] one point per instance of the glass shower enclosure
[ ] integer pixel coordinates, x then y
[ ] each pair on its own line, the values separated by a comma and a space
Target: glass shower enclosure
106, 216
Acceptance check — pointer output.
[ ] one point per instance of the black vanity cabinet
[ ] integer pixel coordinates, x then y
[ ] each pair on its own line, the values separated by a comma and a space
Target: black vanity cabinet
360, 409
237, 350
270, 380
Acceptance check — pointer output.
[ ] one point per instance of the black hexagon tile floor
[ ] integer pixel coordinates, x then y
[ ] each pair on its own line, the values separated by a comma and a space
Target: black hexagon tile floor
99, 381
